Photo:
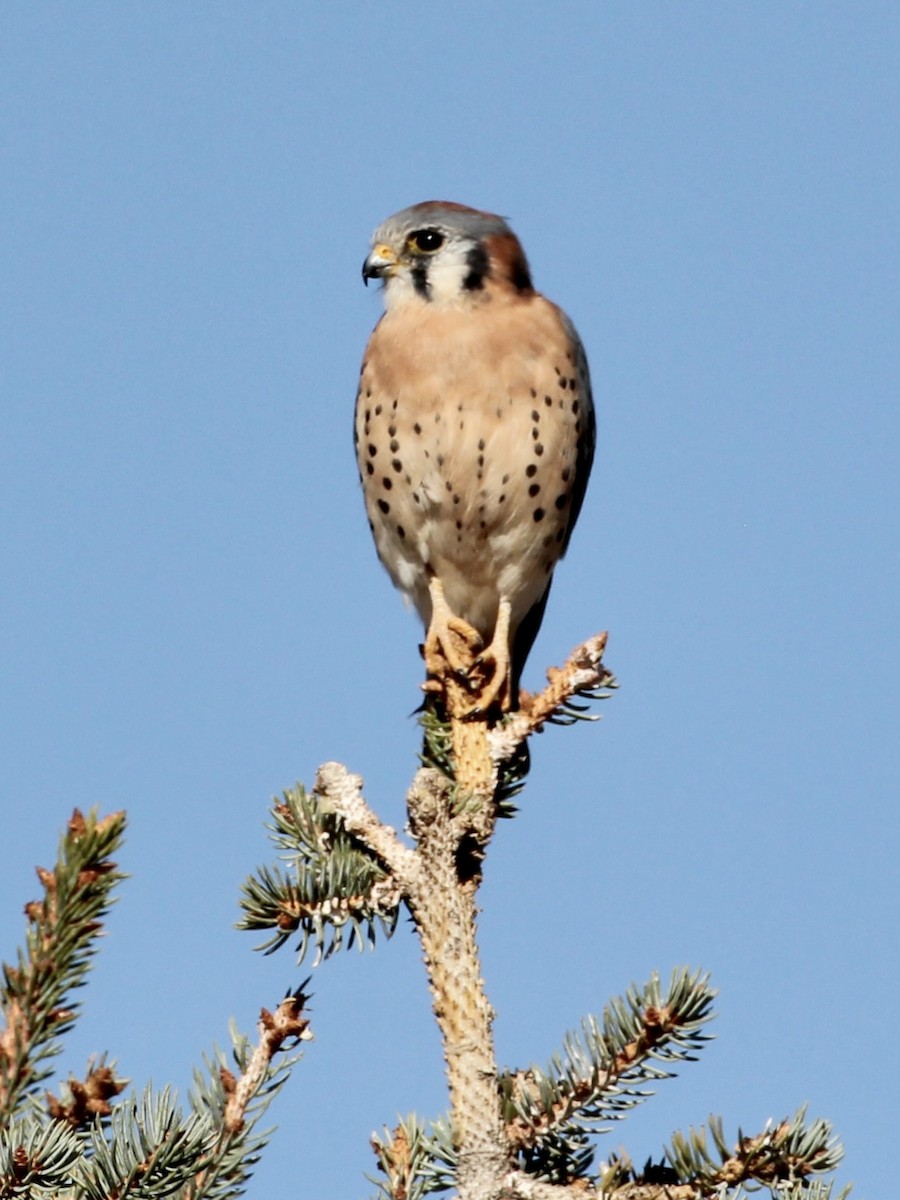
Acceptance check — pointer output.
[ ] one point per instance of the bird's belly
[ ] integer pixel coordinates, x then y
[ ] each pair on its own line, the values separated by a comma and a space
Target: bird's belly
478, 498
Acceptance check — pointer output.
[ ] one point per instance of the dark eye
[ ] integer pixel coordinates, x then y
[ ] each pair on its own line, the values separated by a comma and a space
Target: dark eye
426, 241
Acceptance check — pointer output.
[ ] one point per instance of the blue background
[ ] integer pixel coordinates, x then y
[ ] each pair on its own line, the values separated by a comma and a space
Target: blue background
192, 616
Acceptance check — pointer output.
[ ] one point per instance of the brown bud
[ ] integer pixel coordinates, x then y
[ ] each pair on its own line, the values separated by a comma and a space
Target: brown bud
77, 826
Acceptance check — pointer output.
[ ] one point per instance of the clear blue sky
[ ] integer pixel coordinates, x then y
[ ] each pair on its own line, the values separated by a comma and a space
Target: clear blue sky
192, 616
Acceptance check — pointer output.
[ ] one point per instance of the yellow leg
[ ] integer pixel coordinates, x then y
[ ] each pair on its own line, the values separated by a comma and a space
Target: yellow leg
497, 688
450, 641
484, 672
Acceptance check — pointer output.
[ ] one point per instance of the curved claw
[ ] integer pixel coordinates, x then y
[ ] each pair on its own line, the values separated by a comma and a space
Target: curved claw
450, 642
454, 648
464, 679
496, 688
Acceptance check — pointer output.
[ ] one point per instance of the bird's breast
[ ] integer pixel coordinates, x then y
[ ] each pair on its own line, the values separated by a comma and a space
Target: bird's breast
468, 428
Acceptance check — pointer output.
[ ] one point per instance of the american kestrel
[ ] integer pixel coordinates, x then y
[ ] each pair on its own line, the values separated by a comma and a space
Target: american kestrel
474, 433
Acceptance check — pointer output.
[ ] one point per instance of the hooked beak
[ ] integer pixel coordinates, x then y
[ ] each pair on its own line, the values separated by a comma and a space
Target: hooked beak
381, 262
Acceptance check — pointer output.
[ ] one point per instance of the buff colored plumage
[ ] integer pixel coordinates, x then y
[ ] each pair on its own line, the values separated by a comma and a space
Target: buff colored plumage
474, 432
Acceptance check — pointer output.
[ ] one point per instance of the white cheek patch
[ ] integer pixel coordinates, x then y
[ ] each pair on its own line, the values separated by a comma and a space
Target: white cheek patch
446, 272
398, 289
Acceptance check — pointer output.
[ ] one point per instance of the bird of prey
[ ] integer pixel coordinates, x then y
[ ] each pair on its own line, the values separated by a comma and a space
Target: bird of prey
474, 434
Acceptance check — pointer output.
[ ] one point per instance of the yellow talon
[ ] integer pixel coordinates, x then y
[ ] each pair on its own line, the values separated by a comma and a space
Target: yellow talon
453, 645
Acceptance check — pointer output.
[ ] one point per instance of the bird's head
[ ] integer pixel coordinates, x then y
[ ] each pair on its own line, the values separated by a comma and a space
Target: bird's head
443, 253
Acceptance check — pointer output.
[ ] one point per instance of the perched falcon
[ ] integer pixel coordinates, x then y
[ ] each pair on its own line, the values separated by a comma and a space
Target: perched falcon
474, 433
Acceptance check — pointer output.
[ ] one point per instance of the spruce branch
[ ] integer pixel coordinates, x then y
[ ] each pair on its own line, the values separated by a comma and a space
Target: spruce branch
487, 759
148, 1150
287, 1023
37, 1158
582, 678
550, 1115
785, 1154
437, 753
602, 1071
234, 1097
782, 1160
340, 790
442, 901
341, 853
337, 891
60, 941
414, 1161
146, 1147
524, 1134
84, 1143
83, 1100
